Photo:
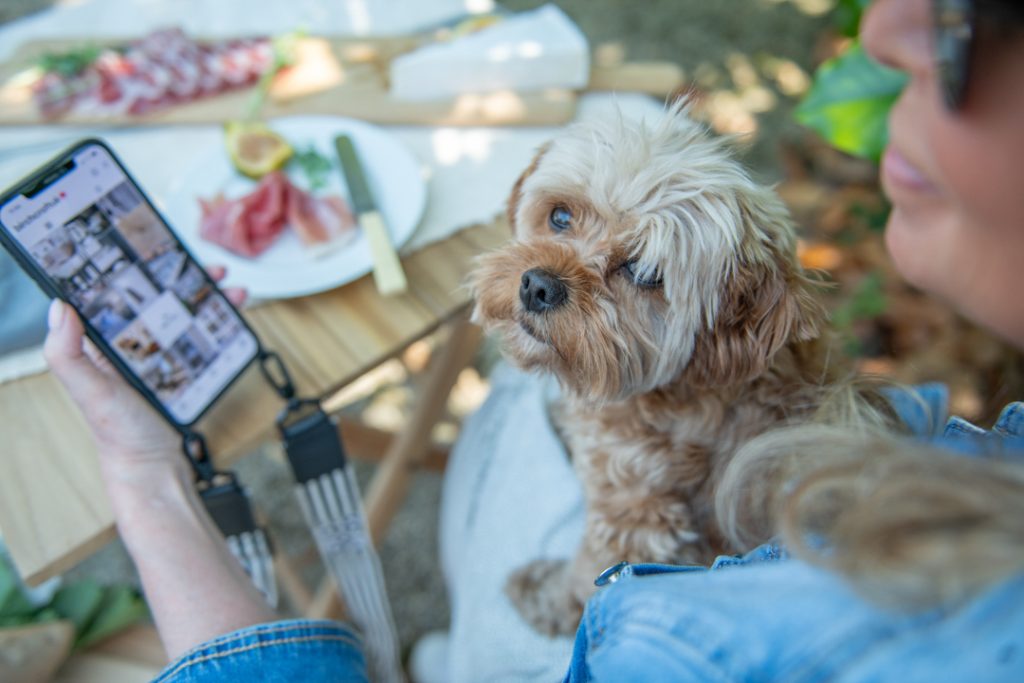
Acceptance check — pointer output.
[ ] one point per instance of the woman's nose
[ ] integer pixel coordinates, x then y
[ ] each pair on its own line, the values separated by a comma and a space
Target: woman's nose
898, 34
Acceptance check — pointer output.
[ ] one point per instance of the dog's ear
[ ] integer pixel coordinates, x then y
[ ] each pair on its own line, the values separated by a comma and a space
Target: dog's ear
764, 306
517, 189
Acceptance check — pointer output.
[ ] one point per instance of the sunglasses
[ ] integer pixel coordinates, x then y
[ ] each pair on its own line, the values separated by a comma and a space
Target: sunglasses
958, 27
955, 29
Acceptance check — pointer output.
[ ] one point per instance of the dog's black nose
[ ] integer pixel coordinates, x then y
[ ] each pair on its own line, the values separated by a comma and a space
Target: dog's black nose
541, 291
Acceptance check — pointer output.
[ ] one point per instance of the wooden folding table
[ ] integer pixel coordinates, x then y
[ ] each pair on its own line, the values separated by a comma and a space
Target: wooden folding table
53, 509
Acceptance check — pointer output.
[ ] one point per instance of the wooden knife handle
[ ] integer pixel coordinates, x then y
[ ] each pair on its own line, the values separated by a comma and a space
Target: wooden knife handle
387, 269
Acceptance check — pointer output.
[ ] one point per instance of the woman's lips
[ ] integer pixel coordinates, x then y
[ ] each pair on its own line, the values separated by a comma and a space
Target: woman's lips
899, 173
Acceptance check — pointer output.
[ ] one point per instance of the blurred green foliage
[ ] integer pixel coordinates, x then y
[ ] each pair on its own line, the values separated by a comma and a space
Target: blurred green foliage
847, 15
96, 611
849, 102
867, 302
848, 105
71, 62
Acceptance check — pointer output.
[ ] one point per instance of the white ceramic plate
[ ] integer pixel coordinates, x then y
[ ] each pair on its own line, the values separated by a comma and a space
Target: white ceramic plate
288, 268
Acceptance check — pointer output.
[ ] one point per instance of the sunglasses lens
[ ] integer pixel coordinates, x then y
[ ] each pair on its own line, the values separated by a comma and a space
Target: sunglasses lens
954, 31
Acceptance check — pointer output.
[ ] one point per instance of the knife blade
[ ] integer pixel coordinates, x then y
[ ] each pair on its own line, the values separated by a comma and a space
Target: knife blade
387, 269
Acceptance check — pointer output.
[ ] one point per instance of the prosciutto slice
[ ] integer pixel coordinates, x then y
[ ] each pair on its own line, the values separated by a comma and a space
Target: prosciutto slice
317, 220
250, 224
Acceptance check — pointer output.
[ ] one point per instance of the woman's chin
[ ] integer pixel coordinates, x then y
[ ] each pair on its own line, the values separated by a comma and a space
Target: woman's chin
907, 242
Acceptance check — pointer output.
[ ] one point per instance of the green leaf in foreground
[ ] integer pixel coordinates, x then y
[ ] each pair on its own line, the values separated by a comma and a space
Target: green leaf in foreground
96, 611
120, 607
14, 606
79, 602
849, 103
847, 15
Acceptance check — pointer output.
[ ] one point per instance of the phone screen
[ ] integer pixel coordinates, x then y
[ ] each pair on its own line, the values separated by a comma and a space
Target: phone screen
109, 253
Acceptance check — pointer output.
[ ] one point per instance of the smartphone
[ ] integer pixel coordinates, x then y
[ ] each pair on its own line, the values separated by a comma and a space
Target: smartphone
82, 228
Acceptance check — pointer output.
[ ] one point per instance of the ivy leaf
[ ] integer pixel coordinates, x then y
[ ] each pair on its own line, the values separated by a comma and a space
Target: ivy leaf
849, 102
848, 14
79, 602
14, 605
119, 608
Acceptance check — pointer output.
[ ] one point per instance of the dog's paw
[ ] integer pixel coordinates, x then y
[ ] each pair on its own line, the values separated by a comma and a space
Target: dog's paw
541, 593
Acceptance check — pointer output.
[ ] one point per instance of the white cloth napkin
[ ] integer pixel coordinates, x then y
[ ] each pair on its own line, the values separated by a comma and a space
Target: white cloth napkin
525, 52
510, 497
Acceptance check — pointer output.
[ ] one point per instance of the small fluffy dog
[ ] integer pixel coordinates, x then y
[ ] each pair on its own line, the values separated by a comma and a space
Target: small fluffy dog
660, 285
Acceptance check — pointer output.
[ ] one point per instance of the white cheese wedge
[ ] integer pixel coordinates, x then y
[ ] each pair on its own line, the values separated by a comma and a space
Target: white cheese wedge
525, 52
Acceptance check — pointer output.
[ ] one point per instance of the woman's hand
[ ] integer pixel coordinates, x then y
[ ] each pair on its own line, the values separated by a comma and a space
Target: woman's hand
127, 430
195, 588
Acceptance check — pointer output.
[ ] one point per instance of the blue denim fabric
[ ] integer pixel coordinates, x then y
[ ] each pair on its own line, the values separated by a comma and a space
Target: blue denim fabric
764, 616
788, 621
285, 651
924, 410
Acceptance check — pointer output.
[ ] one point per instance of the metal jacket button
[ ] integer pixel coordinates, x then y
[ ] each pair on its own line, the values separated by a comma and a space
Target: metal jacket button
610, 575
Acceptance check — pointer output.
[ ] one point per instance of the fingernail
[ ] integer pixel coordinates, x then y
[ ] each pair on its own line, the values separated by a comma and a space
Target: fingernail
57, 314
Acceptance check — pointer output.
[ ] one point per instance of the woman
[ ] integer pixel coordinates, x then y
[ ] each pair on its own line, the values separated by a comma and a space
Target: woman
942, 565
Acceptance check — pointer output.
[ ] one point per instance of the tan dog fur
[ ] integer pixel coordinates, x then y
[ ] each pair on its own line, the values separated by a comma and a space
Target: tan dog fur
661, 383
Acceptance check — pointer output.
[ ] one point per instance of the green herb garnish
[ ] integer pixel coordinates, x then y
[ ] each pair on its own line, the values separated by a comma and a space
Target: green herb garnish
70, 63
314, 165
284, 49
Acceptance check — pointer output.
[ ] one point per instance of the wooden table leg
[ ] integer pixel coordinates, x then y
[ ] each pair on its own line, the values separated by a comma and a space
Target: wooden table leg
390, 482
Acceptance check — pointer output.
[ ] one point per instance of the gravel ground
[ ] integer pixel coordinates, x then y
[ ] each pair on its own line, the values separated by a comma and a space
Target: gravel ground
748, 58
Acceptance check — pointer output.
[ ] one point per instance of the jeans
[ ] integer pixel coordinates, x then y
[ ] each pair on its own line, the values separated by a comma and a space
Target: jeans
296, 650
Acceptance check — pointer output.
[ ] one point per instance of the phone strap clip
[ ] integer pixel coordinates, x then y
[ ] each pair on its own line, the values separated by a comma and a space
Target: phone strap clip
228, 505
276, 374
198, 455
311, 440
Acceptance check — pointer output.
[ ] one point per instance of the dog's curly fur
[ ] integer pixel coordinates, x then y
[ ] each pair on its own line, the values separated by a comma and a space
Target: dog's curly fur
687, 327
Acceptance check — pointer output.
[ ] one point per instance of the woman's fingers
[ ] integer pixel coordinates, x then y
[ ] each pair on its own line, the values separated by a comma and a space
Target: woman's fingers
101, 362
67, 359
236, 295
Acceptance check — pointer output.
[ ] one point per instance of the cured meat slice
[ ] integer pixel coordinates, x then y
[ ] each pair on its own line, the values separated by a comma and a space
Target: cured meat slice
249, 224
318, 220
164, 68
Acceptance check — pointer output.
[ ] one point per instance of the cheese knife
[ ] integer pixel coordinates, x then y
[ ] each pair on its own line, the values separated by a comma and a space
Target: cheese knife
387, 269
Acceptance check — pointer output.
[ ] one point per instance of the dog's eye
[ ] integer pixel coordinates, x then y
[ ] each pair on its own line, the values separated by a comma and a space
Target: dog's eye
560, 219
651, 280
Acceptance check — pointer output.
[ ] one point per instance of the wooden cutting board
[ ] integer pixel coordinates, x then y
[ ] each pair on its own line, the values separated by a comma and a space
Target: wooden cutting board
341, 77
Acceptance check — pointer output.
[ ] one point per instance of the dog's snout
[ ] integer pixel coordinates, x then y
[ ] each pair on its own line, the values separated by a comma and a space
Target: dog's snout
540, 291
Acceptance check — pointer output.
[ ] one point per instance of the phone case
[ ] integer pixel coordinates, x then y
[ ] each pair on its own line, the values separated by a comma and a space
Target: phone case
43, 176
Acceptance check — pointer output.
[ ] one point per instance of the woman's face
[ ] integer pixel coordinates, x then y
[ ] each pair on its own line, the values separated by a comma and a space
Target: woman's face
956, 179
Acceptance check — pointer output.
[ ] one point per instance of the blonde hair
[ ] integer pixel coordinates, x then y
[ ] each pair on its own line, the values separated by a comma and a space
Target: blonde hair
911, 526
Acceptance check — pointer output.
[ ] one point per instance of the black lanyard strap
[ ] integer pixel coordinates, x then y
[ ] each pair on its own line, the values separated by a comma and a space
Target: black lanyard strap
228, 504
311, 440
329, 498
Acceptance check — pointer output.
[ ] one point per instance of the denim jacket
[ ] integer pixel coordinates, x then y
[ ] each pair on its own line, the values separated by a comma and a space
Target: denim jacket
768, 617
763, 616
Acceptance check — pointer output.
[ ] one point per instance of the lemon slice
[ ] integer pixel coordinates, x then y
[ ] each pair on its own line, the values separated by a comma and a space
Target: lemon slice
255, 150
